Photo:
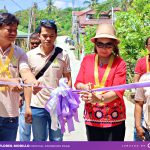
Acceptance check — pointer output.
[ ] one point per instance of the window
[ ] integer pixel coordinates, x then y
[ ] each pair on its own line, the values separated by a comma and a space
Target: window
89, 16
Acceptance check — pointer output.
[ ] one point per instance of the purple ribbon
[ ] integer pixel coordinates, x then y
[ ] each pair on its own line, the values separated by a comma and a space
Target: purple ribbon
114, 88
120, 87
66, 106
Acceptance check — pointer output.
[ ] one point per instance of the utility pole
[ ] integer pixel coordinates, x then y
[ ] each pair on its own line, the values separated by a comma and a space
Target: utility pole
73, 19
29, 25
34, 25
73, 4
75, 26
83, 48
112, 15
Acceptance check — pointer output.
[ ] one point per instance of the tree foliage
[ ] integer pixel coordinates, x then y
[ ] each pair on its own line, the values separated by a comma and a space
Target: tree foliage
63, 19
88, 45
133, 28
125, 4
107, 5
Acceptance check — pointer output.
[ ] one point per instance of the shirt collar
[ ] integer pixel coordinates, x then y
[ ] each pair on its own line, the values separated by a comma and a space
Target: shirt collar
7, 50
39, 51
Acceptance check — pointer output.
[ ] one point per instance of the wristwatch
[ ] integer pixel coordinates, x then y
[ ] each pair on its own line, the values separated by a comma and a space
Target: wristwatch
101, 102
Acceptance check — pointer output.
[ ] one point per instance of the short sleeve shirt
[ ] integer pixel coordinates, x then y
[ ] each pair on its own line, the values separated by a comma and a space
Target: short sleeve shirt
140, 67
9, 100
37, 60
143, 94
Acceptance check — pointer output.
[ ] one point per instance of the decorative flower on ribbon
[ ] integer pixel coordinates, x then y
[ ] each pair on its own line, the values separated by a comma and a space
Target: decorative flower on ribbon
62, 106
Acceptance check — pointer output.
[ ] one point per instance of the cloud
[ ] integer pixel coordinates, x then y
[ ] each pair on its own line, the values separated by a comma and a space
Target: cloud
62, 4
68, 3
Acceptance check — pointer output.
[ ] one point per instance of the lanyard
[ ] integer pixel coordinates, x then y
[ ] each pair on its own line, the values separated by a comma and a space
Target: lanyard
105, 76
4, 67
147, 64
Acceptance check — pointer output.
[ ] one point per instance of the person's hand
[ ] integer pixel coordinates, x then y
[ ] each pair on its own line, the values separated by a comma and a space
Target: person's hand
140, 133
87, 86
82, 86
28, 115
15, 88
36, 87
89, 97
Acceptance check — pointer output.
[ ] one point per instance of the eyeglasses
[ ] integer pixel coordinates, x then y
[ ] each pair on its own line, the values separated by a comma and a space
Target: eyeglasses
104, 45
47, 22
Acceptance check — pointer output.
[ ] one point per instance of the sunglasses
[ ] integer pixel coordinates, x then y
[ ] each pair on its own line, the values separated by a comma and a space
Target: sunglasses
104, 45
37, 43
47, 22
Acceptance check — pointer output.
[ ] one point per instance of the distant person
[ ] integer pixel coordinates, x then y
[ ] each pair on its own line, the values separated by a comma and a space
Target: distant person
72, 43
60, 67
13, 61
105, 111
142, 110
142, 67
25, 128
34, 40
68, 41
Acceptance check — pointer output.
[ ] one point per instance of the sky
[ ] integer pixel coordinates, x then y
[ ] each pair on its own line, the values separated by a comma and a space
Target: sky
16, 5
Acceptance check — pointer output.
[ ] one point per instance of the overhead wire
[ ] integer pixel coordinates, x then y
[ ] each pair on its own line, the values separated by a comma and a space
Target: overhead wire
17, 4
22, 7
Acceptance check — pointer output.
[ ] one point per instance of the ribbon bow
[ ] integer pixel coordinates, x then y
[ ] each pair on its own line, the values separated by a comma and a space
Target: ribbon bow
62, 106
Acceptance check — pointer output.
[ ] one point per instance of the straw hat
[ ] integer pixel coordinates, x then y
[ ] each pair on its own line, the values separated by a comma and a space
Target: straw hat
105, 31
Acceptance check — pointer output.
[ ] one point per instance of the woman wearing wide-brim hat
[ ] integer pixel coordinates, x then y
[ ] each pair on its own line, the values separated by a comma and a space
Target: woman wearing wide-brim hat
105, 112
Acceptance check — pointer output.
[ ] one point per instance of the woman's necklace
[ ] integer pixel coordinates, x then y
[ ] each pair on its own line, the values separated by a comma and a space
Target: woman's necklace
101, 65
103, 61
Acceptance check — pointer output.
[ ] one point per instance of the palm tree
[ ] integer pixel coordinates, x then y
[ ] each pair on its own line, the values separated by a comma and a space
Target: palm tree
90, 3
35, 5
125, 4
106, 5
50, 5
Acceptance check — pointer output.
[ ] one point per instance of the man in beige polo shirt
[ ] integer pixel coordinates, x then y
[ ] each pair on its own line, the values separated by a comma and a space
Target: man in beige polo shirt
59, 68
13, 61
